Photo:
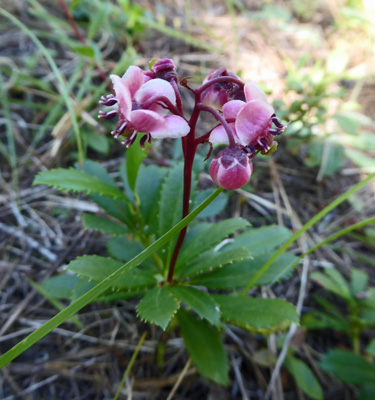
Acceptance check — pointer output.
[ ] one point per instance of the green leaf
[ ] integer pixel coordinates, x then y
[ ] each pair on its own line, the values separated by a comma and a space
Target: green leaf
158, 307
148, 187
348, 367
200, 302
60, 286
358, 281
95, 169
333, 281
171, 199
134, 158
209, 238
261, 240
321, 320
370, 349
122, 249
117, 208
171, 205
238, 274
256, 314
215, 207
203, 343
367, 392
304, 377
103, 225
212, 259
96, 268
97, 142
72, 180
360, 158
84, 50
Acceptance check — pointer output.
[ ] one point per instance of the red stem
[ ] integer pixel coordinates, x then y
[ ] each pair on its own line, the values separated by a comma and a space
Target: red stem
190, 147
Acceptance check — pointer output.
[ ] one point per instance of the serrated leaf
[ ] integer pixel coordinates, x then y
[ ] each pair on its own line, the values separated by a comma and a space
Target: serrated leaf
238, 274
134, 157
200, 302
96, 268
256, 314
210, 260
348, 367
216, 207
72, 180
358, 280
158, 307
60, 286
103, 225
304, 378
204, 345
209, 238
261, 240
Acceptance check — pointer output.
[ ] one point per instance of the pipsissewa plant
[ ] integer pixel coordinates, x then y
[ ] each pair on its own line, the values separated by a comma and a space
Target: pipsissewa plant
148, 105
145, 217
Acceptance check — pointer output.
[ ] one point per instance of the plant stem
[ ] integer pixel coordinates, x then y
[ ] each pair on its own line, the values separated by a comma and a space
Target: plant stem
189, 147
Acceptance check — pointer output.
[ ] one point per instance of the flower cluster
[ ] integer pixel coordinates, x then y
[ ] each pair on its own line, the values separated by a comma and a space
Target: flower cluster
150, 102
144, 100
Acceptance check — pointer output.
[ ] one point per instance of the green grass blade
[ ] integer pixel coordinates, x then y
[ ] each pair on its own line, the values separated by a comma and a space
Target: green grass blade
92, 294
307, 226
64, 93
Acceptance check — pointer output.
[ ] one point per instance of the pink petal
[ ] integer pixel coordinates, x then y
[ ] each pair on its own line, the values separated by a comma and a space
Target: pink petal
253, 121
133, 79
253, 92
156, 88
176, 127
123, 96
219, 135
147, 121
231, 109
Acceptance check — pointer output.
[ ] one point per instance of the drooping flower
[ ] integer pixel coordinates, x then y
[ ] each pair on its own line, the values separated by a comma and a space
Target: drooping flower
143, 107
231, 168
250, 120
221, 92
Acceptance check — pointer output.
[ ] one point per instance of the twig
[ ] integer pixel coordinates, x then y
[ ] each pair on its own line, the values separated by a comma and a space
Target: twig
130, 365
30, 241
179, 380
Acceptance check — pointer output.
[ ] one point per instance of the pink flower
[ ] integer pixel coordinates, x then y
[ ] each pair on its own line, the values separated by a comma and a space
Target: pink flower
231, 168
251, 121
142, 107
220, 93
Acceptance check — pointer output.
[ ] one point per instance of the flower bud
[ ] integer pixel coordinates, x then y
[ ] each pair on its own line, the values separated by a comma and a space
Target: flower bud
231, 168
220, 93
165, 69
